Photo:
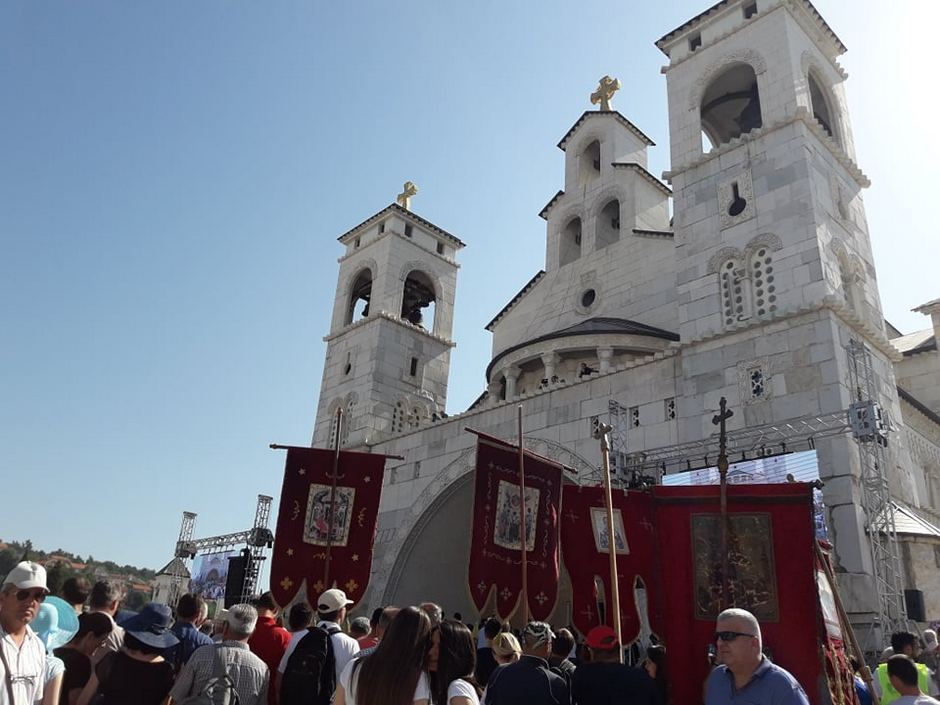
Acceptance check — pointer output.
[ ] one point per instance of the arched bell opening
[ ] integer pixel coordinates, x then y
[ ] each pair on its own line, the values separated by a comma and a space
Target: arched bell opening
590, 163
570, 245
608, 224
418, 301
731, 105
359, 297
822, 107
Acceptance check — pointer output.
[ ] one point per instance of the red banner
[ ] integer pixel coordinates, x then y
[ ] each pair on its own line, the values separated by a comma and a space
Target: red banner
585, 548
496, 550
772, 573
300, 542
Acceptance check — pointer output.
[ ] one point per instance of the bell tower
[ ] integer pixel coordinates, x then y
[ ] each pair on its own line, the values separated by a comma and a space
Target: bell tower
775, 275
388, 349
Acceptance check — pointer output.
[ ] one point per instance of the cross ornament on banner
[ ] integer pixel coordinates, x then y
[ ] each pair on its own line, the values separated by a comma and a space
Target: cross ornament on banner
719, 419
606, 88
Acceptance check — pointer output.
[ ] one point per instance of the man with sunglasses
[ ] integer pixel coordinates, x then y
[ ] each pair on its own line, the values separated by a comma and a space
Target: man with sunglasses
745, 674
22, 654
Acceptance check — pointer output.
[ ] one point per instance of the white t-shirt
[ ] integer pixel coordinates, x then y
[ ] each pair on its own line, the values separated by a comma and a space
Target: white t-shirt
28, 663
344, 648
916, 700
460, 687
422, 690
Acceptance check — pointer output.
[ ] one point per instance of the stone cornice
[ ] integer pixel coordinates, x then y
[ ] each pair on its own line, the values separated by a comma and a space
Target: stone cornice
801, 115
390, 233
385, 315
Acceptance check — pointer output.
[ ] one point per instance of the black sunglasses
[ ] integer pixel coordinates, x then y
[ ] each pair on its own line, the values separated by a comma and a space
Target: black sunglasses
38, 595
729, 636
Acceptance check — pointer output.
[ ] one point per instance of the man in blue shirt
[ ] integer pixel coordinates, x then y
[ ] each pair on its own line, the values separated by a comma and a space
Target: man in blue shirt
191, 612
746, 676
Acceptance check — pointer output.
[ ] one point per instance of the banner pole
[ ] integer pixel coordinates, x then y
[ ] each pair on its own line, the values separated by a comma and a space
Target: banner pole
602, 435
522, 525
719, 420
329, 513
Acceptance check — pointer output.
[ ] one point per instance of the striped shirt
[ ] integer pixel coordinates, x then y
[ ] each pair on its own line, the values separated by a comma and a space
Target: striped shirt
28, 668
249, 673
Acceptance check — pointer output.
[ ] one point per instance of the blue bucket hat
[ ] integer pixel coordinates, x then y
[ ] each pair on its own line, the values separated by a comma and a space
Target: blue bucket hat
152, 626
55, 623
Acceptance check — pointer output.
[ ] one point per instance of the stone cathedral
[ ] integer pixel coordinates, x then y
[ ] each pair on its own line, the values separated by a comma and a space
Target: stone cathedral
753, 291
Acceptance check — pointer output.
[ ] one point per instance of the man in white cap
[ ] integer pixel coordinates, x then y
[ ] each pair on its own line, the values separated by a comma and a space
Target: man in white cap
22, 654
331, 609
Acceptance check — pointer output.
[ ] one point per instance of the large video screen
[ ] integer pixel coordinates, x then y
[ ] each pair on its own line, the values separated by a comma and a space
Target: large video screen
210, 571
800, 467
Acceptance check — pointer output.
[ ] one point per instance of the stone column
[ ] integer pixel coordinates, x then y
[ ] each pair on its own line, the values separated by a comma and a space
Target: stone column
511, 374
549, 360
603, 356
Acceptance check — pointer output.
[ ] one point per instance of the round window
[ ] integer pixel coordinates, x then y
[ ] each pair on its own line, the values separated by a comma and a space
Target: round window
587, 298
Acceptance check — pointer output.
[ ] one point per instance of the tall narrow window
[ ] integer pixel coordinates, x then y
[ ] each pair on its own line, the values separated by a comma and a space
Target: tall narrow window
408, 230
670, 409
763, 282
608, 225
590, 162
414, 367
821, 106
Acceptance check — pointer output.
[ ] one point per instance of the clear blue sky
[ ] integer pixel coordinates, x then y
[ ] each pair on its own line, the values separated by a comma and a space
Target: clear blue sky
173, 176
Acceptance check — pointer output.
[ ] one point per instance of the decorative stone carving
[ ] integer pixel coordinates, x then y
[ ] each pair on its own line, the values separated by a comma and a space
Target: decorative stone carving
736, 199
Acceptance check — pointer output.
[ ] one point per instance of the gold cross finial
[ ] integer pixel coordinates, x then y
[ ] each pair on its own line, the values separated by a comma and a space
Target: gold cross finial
404, 198
606, 88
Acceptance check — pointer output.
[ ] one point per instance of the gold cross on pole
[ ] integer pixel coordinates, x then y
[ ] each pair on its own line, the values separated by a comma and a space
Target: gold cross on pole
606, 88
404, 198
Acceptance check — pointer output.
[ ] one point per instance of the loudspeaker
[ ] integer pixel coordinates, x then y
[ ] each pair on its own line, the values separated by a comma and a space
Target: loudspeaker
914, 602
235, 581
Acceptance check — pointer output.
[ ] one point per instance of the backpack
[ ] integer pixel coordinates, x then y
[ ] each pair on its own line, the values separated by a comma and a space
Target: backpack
220, 690
310, 675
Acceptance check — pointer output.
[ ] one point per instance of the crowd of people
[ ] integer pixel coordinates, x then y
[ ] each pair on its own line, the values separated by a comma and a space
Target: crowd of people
77, 649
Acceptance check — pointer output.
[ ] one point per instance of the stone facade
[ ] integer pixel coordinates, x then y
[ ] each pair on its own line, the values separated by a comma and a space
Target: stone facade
752, 292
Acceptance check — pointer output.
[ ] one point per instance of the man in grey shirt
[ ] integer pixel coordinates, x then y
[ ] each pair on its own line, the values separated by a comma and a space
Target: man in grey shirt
248, 672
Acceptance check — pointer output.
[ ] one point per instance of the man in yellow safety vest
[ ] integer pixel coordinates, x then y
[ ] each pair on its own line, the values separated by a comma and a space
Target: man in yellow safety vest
904, 644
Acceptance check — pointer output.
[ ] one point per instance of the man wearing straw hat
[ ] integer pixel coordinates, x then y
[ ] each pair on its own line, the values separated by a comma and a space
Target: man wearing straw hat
22, 654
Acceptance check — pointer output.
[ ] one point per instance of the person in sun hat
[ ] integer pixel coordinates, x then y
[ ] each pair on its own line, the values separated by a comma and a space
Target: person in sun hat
22, 653
529, 681
604, 679
137, 673
55, 624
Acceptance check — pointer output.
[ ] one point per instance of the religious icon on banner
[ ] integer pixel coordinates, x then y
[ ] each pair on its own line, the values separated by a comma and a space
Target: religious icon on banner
601, 538
752, 580
506, 531
318, 515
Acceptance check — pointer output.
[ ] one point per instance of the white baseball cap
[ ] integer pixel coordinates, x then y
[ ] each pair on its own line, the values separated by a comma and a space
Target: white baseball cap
332, 600
27, 575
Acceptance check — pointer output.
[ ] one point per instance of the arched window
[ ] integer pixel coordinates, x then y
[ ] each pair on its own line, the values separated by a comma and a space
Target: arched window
570, 245
735, 291
418, 301
608, 225
763, 282
731, 105
358, 307
347, 421
589, 167
398, 417
821, 106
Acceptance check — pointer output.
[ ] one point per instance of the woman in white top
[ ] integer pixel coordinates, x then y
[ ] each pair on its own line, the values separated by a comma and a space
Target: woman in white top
394, 673
451, 664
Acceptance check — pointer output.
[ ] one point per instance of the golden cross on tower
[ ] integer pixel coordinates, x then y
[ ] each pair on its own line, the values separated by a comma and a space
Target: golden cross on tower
404, 198
606, 88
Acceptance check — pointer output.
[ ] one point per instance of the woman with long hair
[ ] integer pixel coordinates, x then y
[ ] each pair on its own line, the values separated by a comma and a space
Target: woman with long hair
394, 674
451, 664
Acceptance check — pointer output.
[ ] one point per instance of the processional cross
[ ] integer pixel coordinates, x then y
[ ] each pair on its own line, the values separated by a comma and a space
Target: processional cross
404, 198
606, 88
724, 413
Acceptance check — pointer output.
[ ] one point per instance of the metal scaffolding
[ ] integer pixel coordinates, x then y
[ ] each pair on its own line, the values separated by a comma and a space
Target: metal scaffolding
257, 540
870, 428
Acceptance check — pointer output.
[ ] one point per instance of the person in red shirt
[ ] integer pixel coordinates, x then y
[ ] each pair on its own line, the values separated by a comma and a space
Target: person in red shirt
269, 641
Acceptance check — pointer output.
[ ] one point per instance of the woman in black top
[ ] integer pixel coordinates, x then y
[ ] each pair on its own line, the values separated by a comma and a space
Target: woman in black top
93, 629
137, 674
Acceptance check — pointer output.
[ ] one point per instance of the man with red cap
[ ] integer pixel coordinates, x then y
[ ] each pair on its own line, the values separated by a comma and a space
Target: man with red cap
606, 681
